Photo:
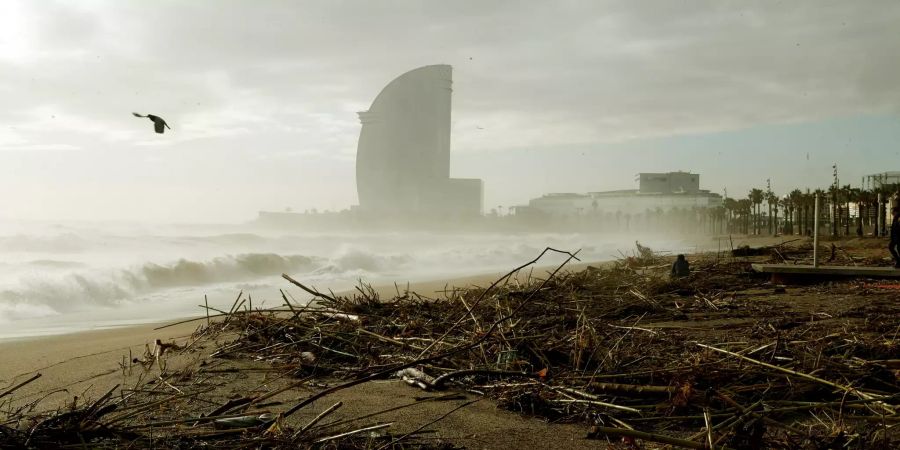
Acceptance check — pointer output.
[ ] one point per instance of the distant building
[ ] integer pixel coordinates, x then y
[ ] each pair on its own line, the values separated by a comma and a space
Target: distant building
883, 179
669, 183
403, 156
656, 191
402, 161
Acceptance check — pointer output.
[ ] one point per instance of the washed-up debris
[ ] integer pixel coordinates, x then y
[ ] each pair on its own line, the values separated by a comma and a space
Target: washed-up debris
707, 361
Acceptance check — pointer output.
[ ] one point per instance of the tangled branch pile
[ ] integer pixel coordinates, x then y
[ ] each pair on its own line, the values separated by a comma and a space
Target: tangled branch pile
711, 361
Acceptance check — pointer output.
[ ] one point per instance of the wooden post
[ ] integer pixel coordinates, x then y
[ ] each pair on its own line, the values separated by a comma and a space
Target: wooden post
816, 233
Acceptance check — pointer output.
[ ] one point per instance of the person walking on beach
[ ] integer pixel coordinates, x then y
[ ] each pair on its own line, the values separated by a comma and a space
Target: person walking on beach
894, 245
681, 268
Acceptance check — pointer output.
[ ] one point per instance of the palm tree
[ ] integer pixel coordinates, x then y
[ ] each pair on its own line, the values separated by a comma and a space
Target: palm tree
730, 206
772, 221
865, 199
777, 205
803, 213
794, 199
744, 207
833, 195
809, 202
756, 198
847, 193
821, 194
719, 218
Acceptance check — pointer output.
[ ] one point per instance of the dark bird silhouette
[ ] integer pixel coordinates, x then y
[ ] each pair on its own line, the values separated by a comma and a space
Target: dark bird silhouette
159, 124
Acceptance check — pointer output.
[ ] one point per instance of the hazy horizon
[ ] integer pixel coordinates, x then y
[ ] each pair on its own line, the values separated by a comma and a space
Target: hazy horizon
572, 97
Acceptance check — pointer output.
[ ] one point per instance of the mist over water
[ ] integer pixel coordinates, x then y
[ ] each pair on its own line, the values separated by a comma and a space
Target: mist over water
64, 277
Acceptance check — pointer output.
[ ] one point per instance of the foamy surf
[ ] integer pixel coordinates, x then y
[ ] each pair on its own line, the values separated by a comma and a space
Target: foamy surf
67, 278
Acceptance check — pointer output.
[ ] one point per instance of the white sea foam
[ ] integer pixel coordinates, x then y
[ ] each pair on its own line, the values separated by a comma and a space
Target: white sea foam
89, 275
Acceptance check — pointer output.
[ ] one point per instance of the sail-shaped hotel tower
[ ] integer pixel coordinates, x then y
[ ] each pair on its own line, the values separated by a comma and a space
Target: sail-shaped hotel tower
403, 157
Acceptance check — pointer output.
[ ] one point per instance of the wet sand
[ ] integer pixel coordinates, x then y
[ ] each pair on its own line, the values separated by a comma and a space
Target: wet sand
87, 364
76, 359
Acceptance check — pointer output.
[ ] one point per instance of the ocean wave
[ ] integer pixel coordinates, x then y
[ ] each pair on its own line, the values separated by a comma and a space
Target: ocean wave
75, 291
56, 264
355, 259
109, 273
22, 311
59, 243
231, 268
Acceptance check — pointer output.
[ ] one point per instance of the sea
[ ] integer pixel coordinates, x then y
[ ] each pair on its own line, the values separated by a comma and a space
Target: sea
63, 277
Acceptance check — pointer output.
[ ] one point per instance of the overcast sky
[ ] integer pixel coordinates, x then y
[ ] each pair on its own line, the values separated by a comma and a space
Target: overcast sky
548, 96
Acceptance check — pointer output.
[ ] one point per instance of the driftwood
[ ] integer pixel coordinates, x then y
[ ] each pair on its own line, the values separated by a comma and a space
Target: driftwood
702, 362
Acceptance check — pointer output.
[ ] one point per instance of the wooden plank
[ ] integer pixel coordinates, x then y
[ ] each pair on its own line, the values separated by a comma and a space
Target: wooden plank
839, 271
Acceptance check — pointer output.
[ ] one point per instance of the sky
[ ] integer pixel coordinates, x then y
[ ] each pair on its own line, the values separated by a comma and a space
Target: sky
548, 97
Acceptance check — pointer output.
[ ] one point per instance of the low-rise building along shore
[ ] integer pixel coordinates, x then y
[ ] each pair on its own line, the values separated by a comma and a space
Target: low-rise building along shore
657, 192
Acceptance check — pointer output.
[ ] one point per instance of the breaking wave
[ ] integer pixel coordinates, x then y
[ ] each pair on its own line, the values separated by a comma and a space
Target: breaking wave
39, 296
135, 273
348, 260
231, 268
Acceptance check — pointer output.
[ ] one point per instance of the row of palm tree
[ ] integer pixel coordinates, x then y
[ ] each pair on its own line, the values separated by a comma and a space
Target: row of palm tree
797, 207
790, 214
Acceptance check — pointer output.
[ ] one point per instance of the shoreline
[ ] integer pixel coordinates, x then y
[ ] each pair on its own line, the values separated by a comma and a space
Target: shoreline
79, 368
429, 285
82, 321
80, 351
79, 359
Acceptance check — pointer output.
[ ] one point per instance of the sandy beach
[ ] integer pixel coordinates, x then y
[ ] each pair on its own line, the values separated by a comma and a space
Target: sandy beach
84, 362
87, 364
83, 366
449, 225
81, 360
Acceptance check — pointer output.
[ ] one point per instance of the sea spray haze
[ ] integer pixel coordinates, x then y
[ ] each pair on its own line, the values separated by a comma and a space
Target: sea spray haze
280, 107
59, 277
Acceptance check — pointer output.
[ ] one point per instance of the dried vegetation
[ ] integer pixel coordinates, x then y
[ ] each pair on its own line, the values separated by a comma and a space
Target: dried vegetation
721, 359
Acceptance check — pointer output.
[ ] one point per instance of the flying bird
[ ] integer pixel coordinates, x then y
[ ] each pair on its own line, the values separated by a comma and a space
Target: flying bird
159, 124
